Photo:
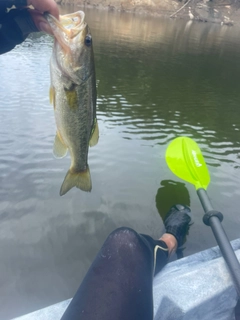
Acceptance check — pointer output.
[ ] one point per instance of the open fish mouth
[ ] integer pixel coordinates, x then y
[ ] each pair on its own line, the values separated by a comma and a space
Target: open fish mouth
74, 21
67, 27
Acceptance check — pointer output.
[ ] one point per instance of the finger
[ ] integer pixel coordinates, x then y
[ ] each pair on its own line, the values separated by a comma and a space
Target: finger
40, 22
45, 6
53, 9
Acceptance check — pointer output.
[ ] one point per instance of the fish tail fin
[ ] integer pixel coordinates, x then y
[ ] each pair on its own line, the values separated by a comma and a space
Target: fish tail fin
81, 180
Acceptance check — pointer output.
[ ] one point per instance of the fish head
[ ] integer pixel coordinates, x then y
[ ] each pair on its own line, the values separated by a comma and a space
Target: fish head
73, 45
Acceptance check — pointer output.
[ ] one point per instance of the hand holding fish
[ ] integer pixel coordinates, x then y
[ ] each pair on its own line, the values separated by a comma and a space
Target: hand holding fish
41, 6
16, 23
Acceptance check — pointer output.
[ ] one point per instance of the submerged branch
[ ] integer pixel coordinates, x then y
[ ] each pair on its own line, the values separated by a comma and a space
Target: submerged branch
180, 9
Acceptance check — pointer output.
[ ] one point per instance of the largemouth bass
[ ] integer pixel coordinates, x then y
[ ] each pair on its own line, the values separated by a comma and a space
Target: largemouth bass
73, 95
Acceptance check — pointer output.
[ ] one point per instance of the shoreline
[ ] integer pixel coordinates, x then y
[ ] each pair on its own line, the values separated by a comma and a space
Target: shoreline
203, 11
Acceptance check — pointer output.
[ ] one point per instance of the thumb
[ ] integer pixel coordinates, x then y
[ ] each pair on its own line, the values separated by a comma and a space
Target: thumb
40, 22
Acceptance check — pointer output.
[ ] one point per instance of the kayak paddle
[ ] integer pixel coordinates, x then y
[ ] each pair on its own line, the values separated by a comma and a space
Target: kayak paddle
185, 160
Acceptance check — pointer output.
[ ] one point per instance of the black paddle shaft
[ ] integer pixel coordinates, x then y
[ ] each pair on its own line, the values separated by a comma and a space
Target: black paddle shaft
213, 219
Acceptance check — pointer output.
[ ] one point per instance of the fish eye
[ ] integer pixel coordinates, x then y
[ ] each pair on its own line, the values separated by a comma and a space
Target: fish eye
88, 40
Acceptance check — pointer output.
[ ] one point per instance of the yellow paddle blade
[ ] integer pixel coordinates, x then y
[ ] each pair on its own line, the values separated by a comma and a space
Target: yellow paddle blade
185, 160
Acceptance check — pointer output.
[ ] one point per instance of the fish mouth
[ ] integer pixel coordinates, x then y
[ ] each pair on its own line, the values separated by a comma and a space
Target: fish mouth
67, 27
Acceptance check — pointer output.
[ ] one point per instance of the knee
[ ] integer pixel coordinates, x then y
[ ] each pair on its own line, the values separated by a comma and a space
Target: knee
124, 237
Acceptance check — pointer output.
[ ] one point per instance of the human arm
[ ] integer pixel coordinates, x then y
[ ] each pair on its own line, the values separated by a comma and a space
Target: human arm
15, 27
16, 24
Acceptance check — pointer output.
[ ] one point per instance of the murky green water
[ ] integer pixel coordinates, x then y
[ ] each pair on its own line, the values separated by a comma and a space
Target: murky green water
157, 79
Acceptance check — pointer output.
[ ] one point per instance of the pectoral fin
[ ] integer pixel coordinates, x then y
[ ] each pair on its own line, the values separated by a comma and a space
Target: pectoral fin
71, 96
59, 148
81, 180
52, 96
95, 135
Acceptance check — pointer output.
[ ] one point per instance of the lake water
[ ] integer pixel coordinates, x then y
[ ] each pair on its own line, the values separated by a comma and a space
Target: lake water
157, 79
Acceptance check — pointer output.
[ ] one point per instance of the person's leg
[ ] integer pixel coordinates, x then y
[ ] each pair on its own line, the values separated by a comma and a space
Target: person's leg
118, 284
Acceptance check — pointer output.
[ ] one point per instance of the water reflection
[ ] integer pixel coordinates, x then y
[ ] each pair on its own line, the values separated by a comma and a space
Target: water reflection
180, 82
170, 193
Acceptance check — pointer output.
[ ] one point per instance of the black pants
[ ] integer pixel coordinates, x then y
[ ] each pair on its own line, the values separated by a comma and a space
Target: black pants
118, 285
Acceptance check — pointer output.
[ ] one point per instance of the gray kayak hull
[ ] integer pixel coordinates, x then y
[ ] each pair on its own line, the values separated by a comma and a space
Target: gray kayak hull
198, 287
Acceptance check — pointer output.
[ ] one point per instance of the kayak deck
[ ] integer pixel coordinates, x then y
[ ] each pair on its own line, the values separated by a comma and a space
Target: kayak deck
197, 287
